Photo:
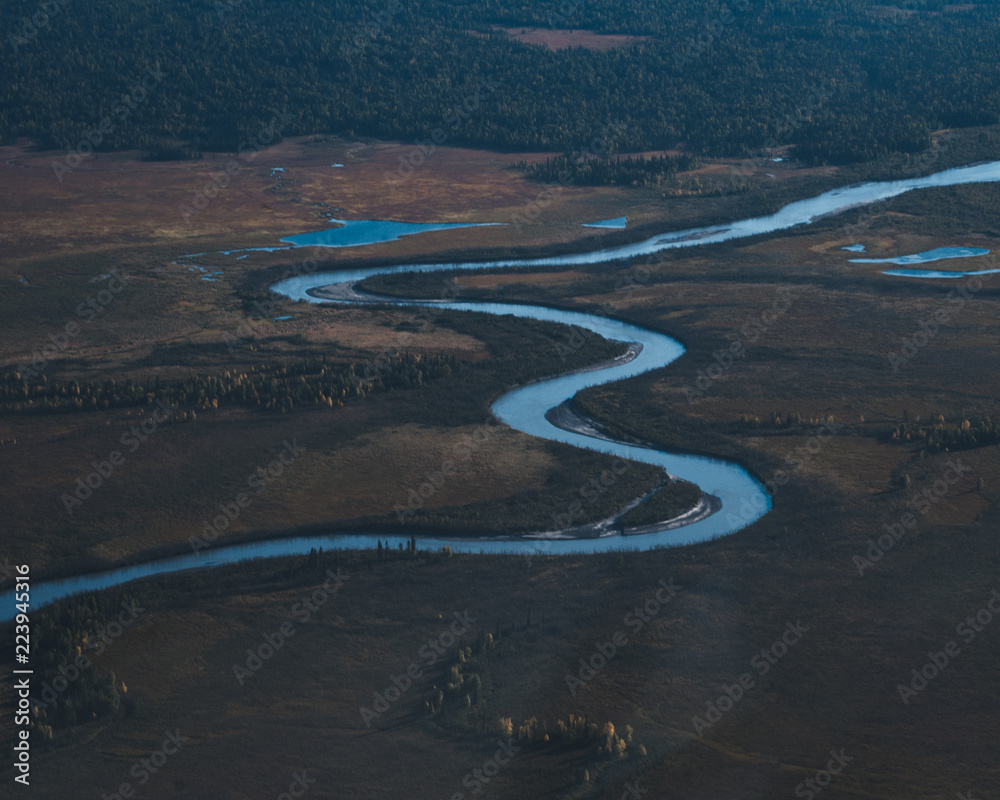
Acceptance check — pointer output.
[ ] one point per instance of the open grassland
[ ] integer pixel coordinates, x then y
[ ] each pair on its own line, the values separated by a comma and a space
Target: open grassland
561, 39
114, 207
364, 456
835, 687
810, 405
115, 213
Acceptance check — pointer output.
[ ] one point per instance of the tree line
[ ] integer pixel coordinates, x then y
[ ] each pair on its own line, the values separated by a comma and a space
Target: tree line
268, 387
68, 688
720, 80
610, 171
935, 436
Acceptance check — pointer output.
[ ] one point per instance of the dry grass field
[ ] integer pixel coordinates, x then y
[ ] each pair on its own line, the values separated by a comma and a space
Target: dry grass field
561, 39
822, 359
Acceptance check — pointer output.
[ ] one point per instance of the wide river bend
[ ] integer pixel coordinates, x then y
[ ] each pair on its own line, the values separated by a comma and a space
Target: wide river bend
743, 498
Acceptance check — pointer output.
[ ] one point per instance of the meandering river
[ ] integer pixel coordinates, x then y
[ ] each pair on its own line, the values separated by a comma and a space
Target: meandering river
743, 499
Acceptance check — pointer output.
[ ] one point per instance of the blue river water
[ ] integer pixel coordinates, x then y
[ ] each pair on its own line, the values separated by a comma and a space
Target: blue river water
743, 498
356, 232
618, 223
927, 256
937, 274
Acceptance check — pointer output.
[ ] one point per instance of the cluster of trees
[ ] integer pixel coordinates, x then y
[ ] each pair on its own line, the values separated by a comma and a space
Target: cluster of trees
411, 547
273, 387
784, 419
937, 436
67, 688
620, 170
724, 80
667, 502
576, 731
463, 688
